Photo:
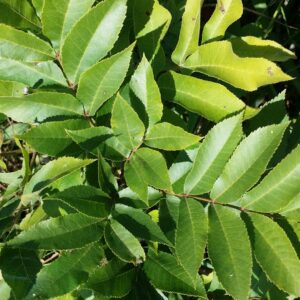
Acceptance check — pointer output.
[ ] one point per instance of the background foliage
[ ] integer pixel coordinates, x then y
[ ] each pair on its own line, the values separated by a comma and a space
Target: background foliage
149, 149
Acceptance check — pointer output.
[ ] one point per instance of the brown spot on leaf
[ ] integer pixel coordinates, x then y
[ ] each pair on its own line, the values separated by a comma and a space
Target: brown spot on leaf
222, 8
270, 71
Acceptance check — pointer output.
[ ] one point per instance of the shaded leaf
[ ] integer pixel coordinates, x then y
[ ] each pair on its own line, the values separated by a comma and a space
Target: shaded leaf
60, 233
251, 46
19, 268
225, 13
145, 88
123, 243
139, 223
147, 167
78, 199
189, 32
51, 138
113, 279
275, 254
167, 275
66, 273
53, 171
126, 124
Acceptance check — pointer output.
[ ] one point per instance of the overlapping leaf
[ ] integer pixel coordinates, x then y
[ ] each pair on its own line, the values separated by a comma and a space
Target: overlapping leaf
212, 155
92, 37
225, 13
276, 255
123, 243
201, 96
59, 17
229, 250
21, 46
189, 32
147, 167
66, 273
247, 163
278, 188
102, 80
60, 233
191, 235
166, 136
218, 60
40, 106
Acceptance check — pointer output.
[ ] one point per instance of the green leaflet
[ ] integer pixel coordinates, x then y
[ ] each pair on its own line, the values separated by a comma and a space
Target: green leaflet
229, 250
251, 46
34, 74
18, 45
126, 124
38, 5
278, 188
275, 254
166, 136
92, 37
150, 29
218, 60
168, 216
89, 201
248, 162
113, 279
19, 14
145, 88
147, 167
19, 268
53, 171
192, 231
201, 96
66, 273
40, 106
123, 243
212, 155
12, 89
66, 232
166, 274
225, 13
181, 167
101, 81
51, 138
101, 139
59, 17
139, 223
189, 31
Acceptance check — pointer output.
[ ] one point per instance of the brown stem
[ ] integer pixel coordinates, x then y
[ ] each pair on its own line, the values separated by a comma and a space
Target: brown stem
212, 201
